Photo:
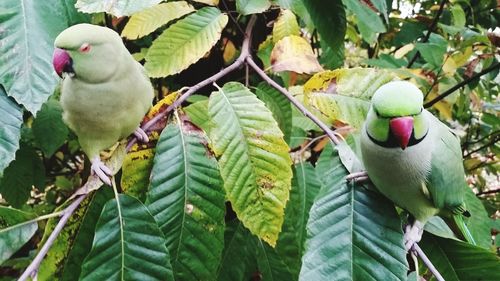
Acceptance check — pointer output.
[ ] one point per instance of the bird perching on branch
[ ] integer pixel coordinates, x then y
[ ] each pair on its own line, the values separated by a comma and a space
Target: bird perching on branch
105, 93
413, 158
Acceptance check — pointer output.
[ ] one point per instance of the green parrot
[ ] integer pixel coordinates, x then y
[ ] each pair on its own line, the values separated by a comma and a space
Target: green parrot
413, 158
105, 93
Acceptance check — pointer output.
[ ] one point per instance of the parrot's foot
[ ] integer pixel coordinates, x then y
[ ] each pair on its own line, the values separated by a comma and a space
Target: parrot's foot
413, 234
358, 177
98, 168
141, 135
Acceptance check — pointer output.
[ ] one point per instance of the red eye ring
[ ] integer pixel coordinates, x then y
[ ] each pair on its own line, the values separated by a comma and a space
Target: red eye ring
85, 48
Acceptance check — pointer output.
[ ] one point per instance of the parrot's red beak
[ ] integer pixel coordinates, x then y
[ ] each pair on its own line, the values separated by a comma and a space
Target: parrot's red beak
401, 128
62, 62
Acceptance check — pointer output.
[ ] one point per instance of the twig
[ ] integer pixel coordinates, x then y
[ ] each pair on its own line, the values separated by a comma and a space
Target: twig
488, 144
48, 216
429, 31
427, 262
34, 265
488, 192
245, 51
297, 104
461, 84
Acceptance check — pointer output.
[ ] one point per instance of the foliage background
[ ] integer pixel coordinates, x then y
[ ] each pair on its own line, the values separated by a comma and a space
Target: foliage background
208, 226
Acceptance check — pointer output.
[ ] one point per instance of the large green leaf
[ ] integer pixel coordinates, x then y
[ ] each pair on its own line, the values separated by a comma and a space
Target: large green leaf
147, 21
270, 264
26, 171
185, 42
238, 259
247, 7
279, 105
369, 22
305, 187
457, 260
117, 8
344, 94
186, 199
198, 113
10, 129
49, 129
353, 233
128, 245
28, 29
64, 259
15, 230
479, 222
253, 158
330, 21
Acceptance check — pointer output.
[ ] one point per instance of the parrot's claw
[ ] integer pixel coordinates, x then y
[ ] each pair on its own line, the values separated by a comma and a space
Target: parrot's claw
358, 176
98, 168
413, 234
141, 135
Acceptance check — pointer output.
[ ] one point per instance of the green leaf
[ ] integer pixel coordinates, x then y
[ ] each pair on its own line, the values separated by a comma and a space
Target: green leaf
297, 6
386, 61
49, 129
353, 233
279, 106
305, 187
270, 264
330, 21
458, 15
285, 25
185, 42
238, 259
28, 32
136, 171
117, 8
433, 51
247, 7
143, 23
253, 158
26, 171
457, 260
128, 245
479, 222
198, 113
369, 22
10, 129
64, 259
344, 95
187, 200
15, 230
381, 6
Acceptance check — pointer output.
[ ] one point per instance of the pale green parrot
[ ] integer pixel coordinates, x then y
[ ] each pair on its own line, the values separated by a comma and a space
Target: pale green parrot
413, 159
105, 93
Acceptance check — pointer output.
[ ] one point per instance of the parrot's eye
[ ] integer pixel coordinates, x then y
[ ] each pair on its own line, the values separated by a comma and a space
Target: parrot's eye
85, 48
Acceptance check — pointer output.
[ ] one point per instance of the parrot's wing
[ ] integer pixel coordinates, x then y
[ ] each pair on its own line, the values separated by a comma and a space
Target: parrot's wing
446, 181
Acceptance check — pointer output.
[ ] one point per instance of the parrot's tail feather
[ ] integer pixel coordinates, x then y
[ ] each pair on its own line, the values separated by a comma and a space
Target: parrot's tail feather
459, 221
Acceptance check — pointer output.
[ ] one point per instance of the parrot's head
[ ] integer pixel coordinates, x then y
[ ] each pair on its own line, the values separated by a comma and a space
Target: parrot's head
88, 52
396, 117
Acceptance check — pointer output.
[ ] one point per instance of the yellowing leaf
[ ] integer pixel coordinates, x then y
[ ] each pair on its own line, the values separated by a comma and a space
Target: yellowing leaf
143, 23
293, 53
285, 25
401, 52
185, 42
461, 58
443, 107
230, 52
449, 66
208, 2
136, 171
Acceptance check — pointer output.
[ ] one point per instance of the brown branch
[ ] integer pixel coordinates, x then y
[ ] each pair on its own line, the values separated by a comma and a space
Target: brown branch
429, 31
245, 51
488, 144
294, 101
461, 84
492, 191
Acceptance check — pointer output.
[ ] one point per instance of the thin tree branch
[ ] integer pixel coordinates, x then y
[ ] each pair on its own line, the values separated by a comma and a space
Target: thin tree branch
488, 144
295, 102
245, 51
492, 191
429, 31
35, 264
461, 84
427, 262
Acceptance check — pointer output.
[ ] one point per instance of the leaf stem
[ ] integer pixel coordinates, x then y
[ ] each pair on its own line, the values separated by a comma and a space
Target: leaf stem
35, 264
48, 216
